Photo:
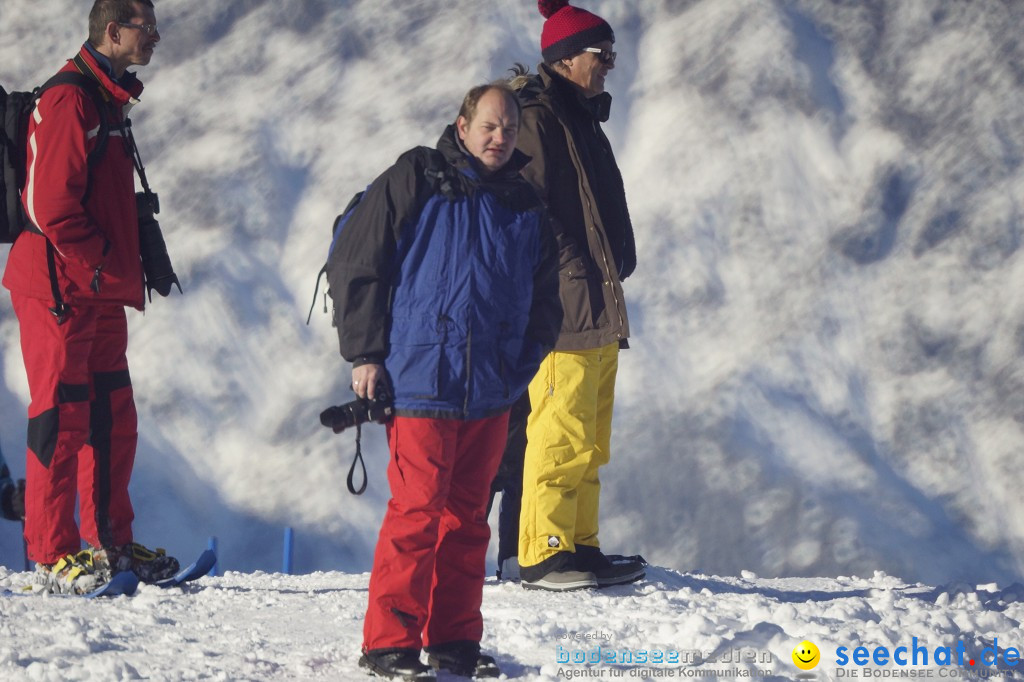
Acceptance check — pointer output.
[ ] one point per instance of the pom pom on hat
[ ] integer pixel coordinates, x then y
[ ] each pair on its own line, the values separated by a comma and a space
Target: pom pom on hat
569, 29
549, 7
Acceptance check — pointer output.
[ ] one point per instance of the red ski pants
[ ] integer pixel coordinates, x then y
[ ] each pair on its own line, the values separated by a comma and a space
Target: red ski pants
82, 428
428, 570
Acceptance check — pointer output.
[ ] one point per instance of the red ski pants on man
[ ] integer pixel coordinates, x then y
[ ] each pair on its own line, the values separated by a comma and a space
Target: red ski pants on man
428, 570
82, 428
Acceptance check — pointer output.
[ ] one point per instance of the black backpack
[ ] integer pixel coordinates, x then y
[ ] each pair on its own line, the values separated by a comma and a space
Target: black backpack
437, 173
15, 110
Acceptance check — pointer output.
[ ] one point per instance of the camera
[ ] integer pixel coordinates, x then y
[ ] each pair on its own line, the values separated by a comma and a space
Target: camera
155, 261
359, 411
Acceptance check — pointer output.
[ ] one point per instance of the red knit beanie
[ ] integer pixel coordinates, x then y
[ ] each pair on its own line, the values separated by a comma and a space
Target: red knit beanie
569, 29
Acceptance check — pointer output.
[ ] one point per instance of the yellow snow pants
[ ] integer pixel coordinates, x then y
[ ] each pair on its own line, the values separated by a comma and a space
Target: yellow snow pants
568, 435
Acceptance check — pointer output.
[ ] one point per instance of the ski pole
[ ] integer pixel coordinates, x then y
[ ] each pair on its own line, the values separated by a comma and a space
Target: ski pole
24, 545
289, 550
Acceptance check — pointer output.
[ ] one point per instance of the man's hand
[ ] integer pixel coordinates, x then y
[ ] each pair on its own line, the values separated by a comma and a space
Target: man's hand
365, 379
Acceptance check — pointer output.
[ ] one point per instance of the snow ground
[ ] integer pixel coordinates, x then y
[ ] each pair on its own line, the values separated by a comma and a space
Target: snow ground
826, 376
262, 626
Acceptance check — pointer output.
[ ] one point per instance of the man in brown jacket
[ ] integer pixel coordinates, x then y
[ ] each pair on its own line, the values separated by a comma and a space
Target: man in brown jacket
569, 428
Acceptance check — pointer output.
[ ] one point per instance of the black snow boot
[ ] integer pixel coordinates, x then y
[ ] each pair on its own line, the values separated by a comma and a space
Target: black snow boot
462, 658
557, 573
400, 664
610, 569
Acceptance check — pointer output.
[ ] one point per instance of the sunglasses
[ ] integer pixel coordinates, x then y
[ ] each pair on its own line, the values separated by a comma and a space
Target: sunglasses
605, 56
149, 29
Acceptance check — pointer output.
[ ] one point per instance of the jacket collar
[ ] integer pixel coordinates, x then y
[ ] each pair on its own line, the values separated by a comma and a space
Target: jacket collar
597, 107
124, 90
101, 60
450, 145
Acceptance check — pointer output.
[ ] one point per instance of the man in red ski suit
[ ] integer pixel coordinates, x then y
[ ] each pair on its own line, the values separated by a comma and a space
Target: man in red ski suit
71, 274
445, 293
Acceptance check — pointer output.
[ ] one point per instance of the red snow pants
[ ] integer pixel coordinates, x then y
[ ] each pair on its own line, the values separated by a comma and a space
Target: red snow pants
428, 569
82, 428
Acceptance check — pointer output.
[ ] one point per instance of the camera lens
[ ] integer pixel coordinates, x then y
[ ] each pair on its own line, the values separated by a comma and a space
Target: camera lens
359, 411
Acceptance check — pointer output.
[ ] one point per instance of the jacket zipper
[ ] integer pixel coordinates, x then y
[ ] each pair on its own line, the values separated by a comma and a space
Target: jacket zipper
607, 270
502, 333
574, 152
472, 243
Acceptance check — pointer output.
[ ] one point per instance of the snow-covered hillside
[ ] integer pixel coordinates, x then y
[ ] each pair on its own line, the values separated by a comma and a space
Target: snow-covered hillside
826, 374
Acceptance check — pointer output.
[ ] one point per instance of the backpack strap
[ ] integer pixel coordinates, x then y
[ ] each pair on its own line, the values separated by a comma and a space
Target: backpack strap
91, 87
438, 172
60, 309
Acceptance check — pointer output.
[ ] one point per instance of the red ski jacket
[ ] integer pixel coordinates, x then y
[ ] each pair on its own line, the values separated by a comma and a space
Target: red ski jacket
101, 232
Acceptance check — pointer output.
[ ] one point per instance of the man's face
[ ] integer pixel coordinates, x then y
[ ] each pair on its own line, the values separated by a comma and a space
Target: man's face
491, 135
588, 71
135, 46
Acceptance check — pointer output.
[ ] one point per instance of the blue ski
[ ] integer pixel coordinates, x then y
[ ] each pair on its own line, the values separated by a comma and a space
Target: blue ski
124, 583
197, 569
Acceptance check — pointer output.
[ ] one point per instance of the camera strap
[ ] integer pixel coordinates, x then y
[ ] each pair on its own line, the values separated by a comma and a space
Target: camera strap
357, 459
133, 150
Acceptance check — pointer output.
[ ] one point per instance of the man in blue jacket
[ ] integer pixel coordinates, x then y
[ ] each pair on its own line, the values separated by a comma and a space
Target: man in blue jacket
446, 295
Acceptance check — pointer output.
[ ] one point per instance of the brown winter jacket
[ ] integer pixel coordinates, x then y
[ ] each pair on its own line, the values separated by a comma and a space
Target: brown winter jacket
574, 171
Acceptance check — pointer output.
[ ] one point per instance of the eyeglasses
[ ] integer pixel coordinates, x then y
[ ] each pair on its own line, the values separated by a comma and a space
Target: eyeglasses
149, 29
606, 56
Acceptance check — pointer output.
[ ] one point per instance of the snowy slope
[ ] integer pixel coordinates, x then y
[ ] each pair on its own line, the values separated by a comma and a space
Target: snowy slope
276, 627
826, 375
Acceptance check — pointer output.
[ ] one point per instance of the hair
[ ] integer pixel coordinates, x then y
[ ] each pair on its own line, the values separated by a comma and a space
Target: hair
520, 76
105, 11
472, 98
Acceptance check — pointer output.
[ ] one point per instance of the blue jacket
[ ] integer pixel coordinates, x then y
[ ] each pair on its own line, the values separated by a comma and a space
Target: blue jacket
448, 278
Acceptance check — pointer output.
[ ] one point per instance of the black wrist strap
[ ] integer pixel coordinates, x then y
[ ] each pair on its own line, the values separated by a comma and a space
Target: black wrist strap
358, 459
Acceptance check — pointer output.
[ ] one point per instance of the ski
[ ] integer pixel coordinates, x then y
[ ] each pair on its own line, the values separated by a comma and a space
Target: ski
124, 583
127, 583
197, 569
